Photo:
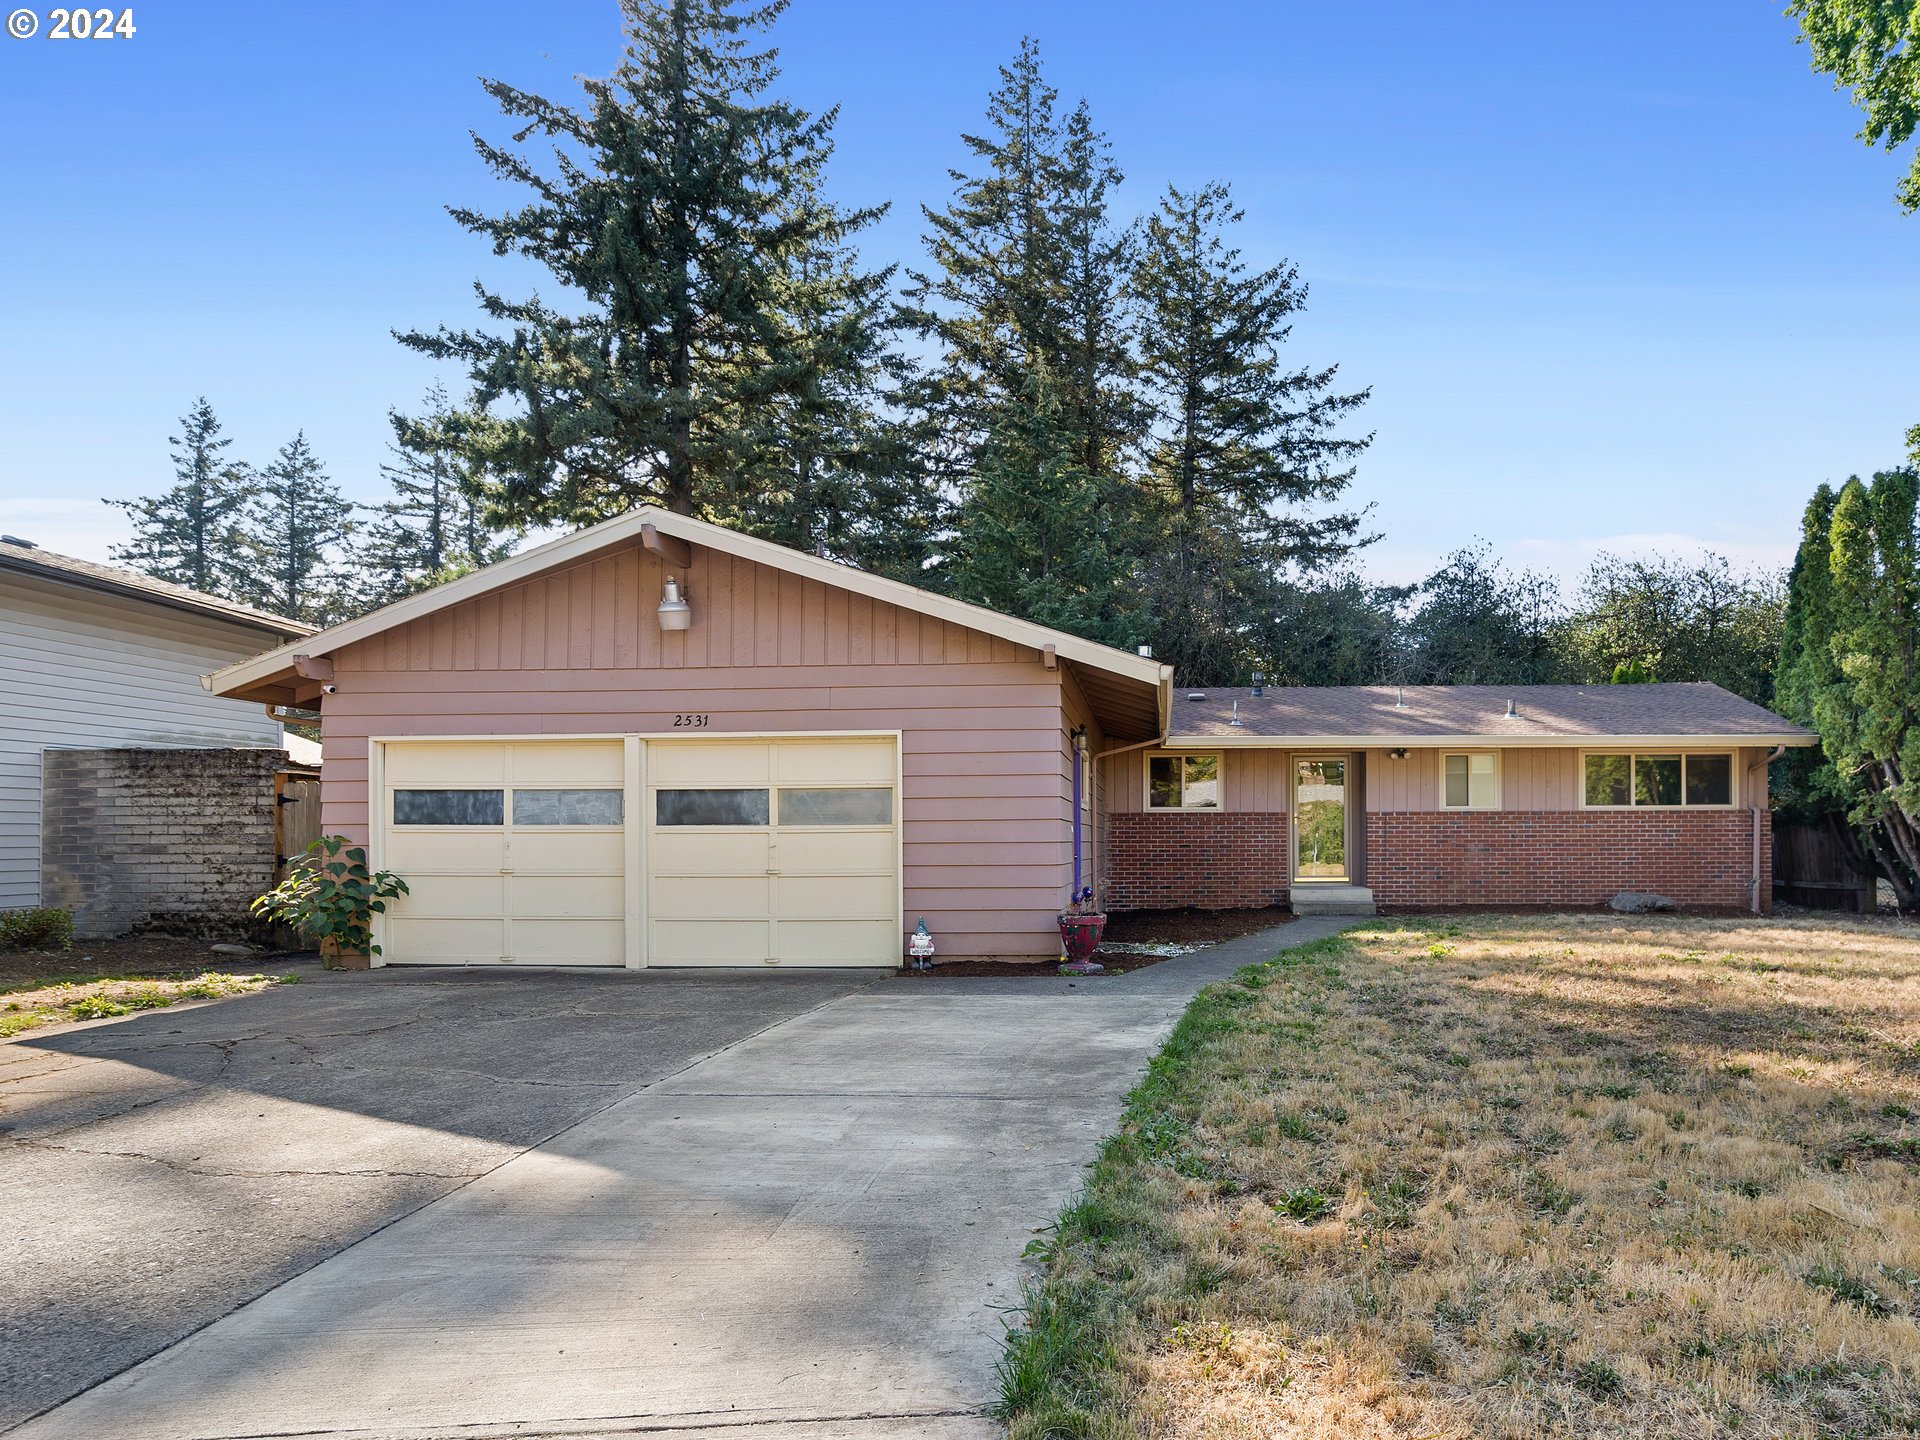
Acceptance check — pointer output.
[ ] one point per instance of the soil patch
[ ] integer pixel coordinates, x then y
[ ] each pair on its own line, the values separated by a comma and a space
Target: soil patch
130, 957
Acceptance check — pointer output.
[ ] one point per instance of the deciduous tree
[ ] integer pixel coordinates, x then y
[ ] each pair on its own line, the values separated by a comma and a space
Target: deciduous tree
1873, 48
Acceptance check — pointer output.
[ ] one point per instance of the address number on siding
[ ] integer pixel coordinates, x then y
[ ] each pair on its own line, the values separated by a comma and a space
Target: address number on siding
691, 722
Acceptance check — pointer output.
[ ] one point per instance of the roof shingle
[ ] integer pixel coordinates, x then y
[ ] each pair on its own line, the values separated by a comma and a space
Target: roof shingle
32, 560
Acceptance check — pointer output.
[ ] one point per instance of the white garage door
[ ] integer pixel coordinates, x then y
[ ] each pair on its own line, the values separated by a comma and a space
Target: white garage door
514, 851
772, 852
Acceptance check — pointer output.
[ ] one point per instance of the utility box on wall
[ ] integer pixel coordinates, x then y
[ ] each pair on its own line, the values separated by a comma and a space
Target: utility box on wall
174, 840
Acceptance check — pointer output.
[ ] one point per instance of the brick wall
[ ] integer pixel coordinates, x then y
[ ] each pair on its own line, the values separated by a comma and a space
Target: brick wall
161, 839
1158, 860
1565, 858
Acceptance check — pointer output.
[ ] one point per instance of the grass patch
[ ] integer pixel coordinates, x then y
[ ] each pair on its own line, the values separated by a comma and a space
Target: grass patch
61, 1003
1506, 1177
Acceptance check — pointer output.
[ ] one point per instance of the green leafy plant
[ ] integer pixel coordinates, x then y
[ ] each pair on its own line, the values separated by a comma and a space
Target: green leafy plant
40, 929
333, 896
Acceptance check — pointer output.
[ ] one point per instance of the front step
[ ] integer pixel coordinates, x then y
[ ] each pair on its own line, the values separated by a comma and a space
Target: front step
1333, 900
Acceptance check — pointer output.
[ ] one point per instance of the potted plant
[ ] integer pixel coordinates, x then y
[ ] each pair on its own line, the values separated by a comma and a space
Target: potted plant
333, 898
1081, 926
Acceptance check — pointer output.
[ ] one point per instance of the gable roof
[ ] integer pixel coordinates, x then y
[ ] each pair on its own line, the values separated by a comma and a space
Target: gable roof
1427, 715
22, 559
275, 669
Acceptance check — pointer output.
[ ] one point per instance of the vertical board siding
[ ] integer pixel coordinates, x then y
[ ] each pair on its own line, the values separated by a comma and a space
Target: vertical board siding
80, 669
1255, 779
985, 798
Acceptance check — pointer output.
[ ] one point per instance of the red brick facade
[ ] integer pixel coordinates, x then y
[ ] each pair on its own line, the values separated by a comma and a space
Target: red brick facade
1161, 860
1565, 858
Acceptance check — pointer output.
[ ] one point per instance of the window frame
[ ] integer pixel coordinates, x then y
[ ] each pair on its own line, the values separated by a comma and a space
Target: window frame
1146, 782
1686, 753
1441, 781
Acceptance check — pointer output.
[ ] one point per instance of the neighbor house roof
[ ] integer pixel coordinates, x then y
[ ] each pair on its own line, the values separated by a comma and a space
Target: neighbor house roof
25, 559
276, 671
1337, 716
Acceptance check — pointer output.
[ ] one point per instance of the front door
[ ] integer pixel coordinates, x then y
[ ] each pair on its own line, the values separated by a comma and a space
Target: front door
1320, 819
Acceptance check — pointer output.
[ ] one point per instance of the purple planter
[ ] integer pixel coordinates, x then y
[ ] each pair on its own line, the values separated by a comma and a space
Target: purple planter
1080, 935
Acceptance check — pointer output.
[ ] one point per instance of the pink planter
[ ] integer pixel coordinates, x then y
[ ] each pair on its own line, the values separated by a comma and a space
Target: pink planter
1080, 935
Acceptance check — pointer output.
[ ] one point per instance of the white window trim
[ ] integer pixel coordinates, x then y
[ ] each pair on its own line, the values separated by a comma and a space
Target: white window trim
1146, 783
1733, 785
1441, 780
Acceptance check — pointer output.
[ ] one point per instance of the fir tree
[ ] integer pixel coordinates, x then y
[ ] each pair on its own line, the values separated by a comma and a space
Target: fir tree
299, 523
194, 534
431, 530
664, 213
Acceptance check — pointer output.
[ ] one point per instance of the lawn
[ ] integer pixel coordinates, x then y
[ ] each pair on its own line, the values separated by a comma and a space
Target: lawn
32, 1005
1504, 1176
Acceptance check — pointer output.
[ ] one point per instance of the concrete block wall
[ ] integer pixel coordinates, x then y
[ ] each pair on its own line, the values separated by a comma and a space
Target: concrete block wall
163, 839
1574, 859
1169, 859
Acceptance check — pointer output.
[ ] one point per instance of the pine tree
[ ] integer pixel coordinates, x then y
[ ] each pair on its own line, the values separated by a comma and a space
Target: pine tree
194, 534
665, 213
432, 529
299, 523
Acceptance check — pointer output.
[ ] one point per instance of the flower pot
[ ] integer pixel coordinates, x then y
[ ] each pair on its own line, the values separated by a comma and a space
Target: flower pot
1080, 935
332, 957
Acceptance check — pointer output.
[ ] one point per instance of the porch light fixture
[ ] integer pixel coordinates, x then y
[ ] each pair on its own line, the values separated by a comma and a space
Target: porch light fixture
675, 612
1399, 752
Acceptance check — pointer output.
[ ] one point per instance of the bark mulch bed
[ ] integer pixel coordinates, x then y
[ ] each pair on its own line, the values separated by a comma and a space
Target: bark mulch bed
130, 957
1127, 927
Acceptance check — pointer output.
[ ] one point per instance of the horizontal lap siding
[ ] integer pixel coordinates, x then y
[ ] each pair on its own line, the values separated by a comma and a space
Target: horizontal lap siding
1256, 779
985, 844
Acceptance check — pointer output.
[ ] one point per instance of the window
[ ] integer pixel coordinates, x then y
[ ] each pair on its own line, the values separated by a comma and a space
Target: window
449, 807
871, 806
1469, 782
710, 807
567, 807
1183, 782
1658, 781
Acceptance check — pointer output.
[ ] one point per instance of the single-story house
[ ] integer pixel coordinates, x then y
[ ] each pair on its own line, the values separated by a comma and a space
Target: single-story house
122, 781
660, 742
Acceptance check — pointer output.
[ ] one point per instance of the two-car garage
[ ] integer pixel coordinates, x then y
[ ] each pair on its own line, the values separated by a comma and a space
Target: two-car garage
634, 850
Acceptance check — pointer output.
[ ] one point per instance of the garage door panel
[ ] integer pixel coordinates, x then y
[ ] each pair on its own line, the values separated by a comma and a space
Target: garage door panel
567, 942
838, 942
713, 897
444, 764
845, 897
559, 763
446, 852
566, 852
823, 762
443, 941
579, 896
707, 764
710, 942
688, 852
452, 896
836, 852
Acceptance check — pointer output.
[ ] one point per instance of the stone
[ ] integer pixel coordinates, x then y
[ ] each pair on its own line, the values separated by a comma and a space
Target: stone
1640, 902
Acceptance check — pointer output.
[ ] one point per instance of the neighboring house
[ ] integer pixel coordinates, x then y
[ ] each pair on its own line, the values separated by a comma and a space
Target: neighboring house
659, 742
96, 661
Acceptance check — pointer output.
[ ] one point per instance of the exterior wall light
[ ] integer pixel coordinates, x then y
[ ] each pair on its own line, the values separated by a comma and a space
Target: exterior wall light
675, 612
1397, 753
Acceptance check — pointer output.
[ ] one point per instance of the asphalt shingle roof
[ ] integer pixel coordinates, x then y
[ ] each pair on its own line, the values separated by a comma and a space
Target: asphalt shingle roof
32, 560
1542, 713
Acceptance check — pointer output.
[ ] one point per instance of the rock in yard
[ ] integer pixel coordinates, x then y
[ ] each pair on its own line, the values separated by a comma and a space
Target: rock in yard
234, 949
1640, 902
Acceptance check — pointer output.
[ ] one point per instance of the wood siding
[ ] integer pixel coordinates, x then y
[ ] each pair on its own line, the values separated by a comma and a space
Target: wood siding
86, 670
1531, 778
986, 795
1255, 779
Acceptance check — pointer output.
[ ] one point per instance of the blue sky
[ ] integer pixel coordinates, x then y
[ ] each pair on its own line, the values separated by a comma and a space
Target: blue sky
1619, 277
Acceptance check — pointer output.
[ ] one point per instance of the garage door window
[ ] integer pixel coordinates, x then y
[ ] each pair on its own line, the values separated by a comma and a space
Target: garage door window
867, 805
710, 807
449, 807
567, 807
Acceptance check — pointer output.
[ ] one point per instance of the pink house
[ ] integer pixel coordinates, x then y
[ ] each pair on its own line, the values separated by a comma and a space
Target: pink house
659, 742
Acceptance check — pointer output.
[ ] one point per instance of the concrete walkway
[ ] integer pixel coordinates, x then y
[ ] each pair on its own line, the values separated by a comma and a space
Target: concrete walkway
814, 1232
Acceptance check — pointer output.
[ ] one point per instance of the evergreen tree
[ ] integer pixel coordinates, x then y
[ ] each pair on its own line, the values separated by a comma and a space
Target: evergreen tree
1244, 452
194, 534
299, 523
665, 211
431, 530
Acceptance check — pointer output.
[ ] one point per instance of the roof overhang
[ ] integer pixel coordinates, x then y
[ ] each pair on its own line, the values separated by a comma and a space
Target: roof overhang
1484, 742
276, 678
184, 603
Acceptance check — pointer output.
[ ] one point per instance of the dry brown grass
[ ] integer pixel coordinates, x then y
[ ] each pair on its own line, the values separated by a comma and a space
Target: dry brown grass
1515, 1177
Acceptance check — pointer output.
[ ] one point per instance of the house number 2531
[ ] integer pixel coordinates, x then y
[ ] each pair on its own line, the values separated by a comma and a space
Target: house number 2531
690, 722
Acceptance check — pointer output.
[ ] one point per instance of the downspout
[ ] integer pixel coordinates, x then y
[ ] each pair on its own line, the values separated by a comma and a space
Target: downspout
1778, 751
1079, 781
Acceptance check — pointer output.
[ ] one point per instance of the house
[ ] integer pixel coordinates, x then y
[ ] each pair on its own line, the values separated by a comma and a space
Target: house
100, 698
659, 742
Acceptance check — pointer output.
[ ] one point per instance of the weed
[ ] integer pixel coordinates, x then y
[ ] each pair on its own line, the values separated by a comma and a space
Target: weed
1850, 1288
1307, 1204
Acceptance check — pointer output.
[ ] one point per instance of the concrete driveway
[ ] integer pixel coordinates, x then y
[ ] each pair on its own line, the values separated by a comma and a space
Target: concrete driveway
555, 1204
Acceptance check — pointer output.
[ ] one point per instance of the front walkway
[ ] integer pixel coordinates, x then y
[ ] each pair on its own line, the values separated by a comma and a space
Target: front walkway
815, 1231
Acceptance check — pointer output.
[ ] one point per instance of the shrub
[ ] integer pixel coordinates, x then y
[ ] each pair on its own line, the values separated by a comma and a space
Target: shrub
42, 929
333, 896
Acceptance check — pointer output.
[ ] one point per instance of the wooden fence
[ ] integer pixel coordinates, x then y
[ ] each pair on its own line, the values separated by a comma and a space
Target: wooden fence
1811, 867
